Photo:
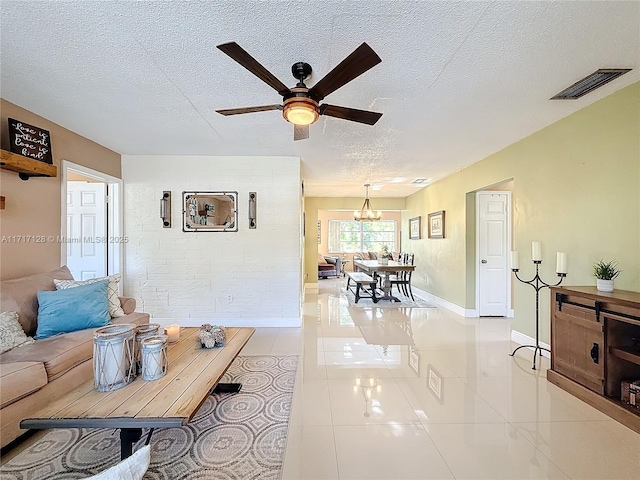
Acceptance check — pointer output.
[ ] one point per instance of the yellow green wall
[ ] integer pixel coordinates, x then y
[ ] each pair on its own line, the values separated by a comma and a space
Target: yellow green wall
576, 188
311, 207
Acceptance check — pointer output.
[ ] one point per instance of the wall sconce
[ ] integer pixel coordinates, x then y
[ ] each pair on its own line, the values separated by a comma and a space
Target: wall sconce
165, 209
253, 200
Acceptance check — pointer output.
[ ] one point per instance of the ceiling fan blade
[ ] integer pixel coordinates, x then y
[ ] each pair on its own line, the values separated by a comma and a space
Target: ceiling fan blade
238, 111
360, 116
236, 52
300, 132
361, 59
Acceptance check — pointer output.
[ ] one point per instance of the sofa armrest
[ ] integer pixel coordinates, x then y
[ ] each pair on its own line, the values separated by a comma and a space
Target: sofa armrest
128, 304
335, 261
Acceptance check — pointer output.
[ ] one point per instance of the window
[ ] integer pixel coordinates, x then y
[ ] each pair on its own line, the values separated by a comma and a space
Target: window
350, 236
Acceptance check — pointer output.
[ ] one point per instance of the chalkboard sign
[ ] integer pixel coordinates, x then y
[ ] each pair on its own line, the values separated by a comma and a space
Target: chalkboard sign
30, 141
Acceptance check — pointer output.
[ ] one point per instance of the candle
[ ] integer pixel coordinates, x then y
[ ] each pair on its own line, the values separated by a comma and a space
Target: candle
173, 332
536, 251
561, 262
514, 261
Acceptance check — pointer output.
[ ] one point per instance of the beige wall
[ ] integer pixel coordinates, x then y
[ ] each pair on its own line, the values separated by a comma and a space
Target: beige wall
313, 205
576, 188
33, 206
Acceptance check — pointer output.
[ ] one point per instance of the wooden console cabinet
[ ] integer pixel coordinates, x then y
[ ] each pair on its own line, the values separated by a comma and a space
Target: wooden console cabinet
595, 344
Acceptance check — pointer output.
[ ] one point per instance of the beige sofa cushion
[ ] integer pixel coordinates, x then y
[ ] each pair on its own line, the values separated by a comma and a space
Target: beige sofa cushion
128, 304
61, 353
20, 295
19, 380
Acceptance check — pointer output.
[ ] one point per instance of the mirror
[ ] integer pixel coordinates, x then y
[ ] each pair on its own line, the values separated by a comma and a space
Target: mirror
209, 211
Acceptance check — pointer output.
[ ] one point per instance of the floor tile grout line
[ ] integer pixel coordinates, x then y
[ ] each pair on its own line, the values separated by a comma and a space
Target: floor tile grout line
536, 447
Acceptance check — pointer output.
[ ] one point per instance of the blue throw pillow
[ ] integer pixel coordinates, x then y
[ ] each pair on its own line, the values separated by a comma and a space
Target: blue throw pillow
63, 311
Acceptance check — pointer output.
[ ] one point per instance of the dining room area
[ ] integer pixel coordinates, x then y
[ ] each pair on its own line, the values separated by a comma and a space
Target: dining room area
380, 275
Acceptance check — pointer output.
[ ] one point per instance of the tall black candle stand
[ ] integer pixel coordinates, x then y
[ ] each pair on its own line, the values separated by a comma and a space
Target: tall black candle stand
537, 283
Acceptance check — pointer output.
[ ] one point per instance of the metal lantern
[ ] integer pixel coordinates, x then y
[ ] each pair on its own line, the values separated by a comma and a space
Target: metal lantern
142, 332
113, 362
154, 357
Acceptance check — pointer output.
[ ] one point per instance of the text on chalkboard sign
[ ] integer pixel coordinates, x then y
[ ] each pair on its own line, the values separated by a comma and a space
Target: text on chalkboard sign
30, 141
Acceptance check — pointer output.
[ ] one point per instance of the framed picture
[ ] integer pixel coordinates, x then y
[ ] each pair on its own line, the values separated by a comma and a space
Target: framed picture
436, 224
414, 359
209, 212
414, 228
30, 141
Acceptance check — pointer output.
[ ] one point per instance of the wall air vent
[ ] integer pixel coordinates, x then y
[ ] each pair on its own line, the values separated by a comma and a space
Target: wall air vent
590, 83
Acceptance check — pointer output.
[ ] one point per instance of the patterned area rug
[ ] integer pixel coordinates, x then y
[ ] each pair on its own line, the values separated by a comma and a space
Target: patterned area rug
404, 301
233, 435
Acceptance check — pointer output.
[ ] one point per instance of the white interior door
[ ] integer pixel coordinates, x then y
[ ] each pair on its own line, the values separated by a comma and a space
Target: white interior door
86, 229
493, 246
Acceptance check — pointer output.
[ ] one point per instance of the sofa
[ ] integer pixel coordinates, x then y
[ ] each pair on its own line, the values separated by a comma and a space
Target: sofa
33, 375
329, 266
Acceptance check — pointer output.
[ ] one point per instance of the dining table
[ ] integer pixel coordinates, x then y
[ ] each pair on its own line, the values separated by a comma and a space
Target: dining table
385, 270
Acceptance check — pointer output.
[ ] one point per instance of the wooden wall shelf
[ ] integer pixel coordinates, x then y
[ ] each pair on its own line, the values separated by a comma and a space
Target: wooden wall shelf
26, 167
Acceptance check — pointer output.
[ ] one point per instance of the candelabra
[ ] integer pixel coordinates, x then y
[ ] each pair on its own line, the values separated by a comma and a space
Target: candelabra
538, 284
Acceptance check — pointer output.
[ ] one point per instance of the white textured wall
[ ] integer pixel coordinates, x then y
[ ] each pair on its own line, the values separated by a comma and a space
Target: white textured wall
245, 278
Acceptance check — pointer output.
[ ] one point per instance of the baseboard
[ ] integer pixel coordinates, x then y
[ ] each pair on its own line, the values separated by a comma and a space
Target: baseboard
311, 287
522, 339
429, 297
276, 322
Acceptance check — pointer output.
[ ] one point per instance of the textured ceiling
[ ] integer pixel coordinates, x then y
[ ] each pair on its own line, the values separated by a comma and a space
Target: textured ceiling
458, 80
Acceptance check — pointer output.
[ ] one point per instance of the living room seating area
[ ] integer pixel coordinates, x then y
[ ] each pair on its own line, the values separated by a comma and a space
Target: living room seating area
329, 266
33, 373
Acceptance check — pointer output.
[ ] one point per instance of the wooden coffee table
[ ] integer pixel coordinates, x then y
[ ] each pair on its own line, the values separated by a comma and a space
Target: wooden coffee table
171, 401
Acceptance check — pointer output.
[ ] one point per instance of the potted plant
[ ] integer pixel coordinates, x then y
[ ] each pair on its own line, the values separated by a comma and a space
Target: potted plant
384, 256
605, 272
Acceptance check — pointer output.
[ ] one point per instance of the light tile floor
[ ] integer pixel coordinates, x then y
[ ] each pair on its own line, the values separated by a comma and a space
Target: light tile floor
465, 410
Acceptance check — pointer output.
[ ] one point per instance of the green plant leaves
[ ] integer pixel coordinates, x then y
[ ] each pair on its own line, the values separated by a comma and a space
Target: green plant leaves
606, 270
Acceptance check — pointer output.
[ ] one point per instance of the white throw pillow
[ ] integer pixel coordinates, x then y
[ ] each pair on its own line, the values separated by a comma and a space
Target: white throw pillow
132, 468
115, 310
11, 333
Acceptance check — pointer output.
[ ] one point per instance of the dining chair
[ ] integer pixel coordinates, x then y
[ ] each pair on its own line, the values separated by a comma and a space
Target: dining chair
403, 278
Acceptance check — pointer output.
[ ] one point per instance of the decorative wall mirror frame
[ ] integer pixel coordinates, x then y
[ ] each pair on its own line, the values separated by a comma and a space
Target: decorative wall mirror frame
209, 211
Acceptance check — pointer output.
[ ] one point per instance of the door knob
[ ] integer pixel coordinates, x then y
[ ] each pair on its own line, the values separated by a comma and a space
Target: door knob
483, 261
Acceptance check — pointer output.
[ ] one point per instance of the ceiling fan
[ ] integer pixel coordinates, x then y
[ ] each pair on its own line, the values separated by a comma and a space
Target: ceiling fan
301, 105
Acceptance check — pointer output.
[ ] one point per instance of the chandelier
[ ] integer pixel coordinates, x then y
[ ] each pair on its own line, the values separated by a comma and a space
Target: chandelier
366, 212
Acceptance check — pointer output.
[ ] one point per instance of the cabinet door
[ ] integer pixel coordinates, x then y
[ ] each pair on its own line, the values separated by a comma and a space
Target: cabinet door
578, 346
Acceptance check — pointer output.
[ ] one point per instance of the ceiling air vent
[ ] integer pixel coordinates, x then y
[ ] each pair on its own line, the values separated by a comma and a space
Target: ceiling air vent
590, 83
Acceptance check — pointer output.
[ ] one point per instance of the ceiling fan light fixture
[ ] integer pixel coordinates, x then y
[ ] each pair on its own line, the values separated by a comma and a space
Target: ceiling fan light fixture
301, 104
367, 213
300, 111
